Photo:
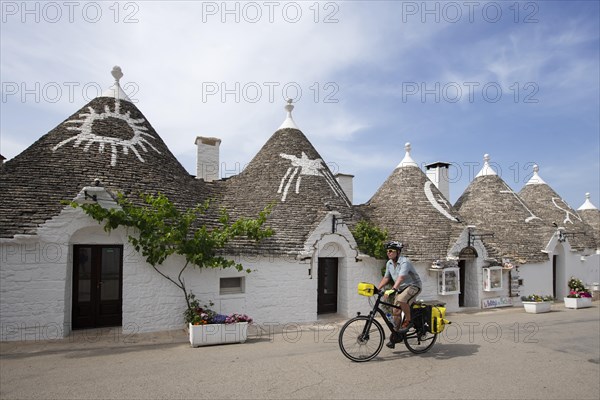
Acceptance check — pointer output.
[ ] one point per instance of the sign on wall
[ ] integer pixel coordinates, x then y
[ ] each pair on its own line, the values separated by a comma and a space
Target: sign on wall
496, 302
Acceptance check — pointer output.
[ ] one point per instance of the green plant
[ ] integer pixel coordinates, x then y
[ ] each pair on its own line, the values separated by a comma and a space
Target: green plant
160, 229
370, 239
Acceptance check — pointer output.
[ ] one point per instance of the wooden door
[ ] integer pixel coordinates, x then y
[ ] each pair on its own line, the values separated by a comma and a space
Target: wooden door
97, 286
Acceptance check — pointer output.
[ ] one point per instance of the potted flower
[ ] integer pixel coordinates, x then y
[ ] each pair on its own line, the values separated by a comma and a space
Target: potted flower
207, 327
579, 296
536, 304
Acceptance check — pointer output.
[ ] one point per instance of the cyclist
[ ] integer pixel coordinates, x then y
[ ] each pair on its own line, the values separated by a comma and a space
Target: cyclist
406, 285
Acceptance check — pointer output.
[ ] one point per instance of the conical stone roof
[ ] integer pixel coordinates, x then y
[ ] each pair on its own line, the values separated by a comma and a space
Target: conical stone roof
289, 174
415, 212
551, 208
493, 207
108, 139
591, 215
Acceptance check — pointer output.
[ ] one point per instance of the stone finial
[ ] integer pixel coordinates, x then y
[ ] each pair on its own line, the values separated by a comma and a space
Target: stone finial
487, 169
115, 90
587, 204
289, 121
289, 107
407, 161
117, 73
535, 179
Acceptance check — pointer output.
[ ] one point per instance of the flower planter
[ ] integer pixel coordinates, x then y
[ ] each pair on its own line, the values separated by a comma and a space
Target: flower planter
211, 334
578, 302
537, 307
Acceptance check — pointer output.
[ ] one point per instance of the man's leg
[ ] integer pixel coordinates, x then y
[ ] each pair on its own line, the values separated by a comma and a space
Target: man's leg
397, 318
406, 310
405, 299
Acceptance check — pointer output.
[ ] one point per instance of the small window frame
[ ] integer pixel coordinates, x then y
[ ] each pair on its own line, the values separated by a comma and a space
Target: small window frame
232, 285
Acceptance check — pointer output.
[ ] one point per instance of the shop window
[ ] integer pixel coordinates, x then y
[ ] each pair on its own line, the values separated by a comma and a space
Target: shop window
492, 279
448, 281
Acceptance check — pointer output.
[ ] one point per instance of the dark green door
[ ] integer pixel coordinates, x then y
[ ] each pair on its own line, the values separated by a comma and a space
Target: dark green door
97, 286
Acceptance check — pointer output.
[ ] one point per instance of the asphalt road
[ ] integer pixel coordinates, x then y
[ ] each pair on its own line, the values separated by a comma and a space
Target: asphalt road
499, 354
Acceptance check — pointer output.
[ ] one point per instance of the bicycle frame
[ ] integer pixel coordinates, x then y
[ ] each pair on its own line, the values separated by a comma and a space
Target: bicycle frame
377, 310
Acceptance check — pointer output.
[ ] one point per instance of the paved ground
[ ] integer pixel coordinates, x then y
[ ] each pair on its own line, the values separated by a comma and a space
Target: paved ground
499, 354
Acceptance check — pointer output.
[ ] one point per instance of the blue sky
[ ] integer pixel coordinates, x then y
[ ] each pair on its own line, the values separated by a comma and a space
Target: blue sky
517, 80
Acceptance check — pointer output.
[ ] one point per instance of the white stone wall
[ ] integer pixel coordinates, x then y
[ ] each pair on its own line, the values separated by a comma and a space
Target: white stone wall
538, 278
32, 289
591, 265
36, 277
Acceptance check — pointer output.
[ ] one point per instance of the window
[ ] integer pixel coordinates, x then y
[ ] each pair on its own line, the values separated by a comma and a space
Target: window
492, 279
448, 281
231, 285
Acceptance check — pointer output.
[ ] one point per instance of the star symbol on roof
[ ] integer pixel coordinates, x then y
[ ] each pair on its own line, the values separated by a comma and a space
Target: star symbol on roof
308, 166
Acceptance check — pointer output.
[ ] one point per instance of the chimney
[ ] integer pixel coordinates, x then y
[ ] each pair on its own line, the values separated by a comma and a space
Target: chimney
345, 182
207, 164
437, 172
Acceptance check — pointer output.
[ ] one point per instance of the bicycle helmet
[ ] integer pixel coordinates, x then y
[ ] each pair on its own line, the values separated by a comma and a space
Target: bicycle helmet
394, 245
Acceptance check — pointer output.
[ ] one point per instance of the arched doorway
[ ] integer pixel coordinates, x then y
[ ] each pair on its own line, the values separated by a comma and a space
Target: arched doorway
469, 287
559, 275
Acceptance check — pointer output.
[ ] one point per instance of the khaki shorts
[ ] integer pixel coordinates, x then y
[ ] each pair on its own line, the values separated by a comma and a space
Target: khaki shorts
408, 295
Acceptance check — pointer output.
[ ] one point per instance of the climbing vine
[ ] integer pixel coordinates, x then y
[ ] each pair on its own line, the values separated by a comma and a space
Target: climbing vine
160, 229
370, 239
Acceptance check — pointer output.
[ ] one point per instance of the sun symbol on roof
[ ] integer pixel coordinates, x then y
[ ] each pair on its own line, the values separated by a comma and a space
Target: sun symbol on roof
88, 137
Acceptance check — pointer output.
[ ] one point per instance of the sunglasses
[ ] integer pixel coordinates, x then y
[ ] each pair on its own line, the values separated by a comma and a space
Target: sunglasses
391, 251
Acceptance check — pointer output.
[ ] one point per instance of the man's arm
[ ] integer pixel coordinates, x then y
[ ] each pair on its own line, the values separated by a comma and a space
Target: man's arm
384, 281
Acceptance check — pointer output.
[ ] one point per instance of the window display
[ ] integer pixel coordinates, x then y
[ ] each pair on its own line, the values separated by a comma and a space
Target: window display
448, 281
492, 279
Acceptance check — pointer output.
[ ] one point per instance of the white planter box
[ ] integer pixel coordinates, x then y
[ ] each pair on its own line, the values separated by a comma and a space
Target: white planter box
210, 334
536, 307
581, 302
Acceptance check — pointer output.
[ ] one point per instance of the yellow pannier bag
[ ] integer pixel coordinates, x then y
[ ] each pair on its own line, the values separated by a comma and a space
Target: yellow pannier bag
438, 321
366, 289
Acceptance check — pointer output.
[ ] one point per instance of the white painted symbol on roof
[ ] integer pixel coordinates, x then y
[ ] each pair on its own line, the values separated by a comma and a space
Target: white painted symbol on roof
435, 203
305, 166
567, 212
86, 133
532, 216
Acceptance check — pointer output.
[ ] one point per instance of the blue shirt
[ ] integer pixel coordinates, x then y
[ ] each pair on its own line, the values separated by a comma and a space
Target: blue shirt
403, 268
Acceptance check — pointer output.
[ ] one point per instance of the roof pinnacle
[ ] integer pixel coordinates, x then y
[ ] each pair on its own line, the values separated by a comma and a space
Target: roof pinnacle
587, 205
535, 179
486, 170
115, 90
407, 161
289, 121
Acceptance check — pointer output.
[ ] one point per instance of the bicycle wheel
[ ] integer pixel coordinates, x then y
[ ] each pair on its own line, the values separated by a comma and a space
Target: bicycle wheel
419, 341
358, 345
